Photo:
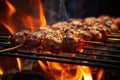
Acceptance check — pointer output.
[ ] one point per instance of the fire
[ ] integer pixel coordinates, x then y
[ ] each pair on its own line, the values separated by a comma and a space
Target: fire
1, 71
8, 18
60, 71
12, 10
100, 74
28, 21
19, 64
57, 70
42, 15
66, 71
43, 66
86, 72
8, 27
33, 23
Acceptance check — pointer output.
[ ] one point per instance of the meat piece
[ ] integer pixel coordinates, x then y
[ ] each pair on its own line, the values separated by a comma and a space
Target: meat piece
111, 25
89, 21
103, 30
117, 22
51, 41
103, 18
96, 35
20, 37
66, 36
60, 25
108, 22
34, 40
85, 35
70, 42
75, 22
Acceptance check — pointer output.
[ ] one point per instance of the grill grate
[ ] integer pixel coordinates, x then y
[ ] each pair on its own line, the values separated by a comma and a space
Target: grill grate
107, 54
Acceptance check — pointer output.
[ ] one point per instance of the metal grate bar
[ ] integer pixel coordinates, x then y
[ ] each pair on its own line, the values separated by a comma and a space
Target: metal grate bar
68, 61
105, 60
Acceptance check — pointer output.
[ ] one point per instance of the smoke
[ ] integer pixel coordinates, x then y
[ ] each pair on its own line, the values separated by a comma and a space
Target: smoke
55, 11
58, 10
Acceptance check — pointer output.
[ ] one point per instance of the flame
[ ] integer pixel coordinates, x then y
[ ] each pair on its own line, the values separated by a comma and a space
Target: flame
42, 15
60, 71
12, 10
57, 70
71, 73
8, 20
86, 72
66, 71
43, 66
19, 64
33, 23
1, 71
28, 21
8, 27
100, 74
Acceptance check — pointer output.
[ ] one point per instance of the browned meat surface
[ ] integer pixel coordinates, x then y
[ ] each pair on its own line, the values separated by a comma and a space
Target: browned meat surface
20, 37
66, 36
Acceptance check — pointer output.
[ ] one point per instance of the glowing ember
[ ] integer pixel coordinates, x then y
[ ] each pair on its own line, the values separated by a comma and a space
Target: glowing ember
1, 71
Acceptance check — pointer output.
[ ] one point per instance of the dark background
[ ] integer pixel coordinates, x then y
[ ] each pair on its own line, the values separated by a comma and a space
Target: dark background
85, 8
57, 10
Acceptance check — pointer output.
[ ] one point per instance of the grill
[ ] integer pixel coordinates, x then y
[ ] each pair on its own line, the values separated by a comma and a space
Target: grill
102, 58
102, 54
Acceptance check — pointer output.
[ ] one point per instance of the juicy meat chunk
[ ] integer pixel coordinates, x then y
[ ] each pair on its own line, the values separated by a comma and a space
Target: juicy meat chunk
34, 40
20, 37
70, 42
51, 41
66, 36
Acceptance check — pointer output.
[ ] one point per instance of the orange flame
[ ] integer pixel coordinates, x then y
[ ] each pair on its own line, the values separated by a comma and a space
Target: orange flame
60, 71
8, 22
71, 72
30, 22
86, 73
100, 74
33, 23
8, 27
42, 15
12, 10
1, 71
57, 70
19, 64
43, 66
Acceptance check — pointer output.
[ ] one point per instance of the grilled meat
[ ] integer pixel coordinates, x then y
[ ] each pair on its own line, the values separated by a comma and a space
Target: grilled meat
51, 40
70, 41
33, 40
66, 36
117, 22
20, 37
